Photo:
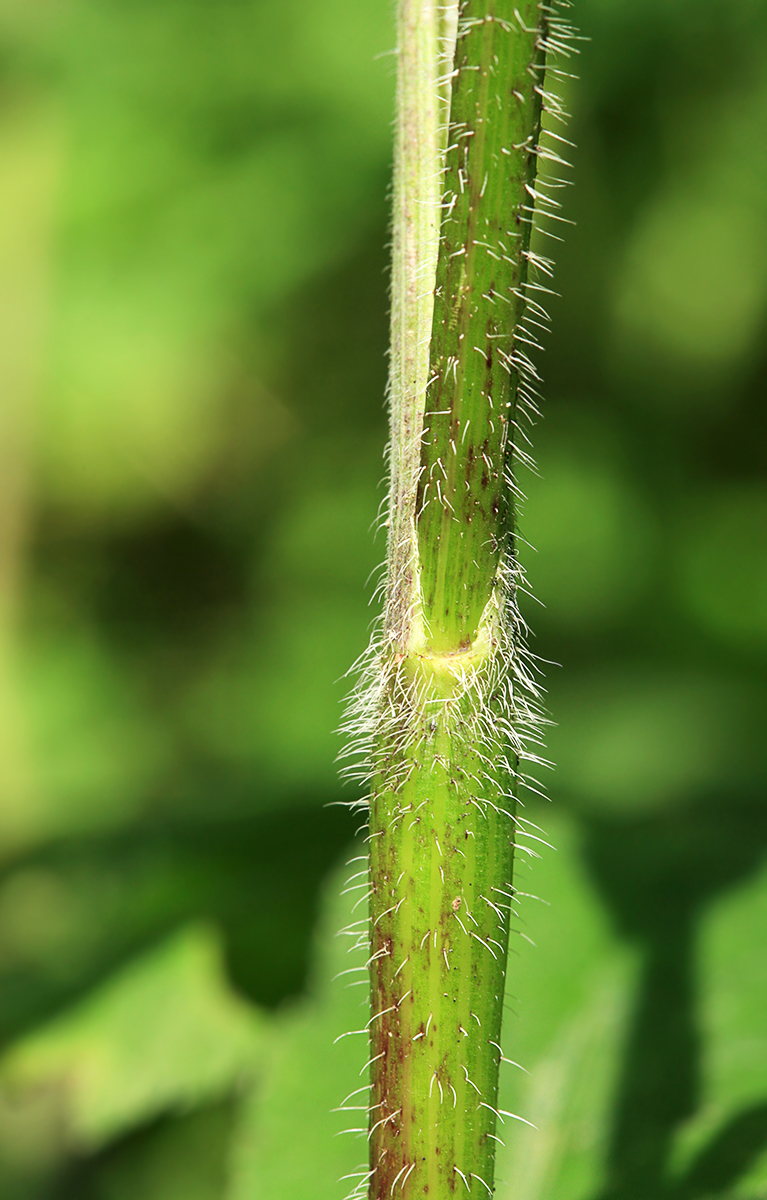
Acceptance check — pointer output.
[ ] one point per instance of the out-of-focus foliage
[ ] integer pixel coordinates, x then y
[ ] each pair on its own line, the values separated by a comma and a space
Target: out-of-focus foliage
193, 321
164, 1033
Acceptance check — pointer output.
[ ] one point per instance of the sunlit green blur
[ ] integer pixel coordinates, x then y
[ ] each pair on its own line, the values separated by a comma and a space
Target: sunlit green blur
193, 329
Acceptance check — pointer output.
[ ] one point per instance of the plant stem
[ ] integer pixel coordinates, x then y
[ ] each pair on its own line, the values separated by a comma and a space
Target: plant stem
452, 705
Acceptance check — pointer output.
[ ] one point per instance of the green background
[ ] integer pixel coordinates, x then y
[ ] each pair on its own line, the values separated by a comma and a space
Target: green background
193, 326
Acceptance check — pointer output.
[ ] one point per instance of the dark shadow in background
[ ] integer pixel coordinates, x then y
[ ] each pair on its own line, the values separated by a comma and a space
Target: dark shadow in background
191, 1147
258, 880
656, 875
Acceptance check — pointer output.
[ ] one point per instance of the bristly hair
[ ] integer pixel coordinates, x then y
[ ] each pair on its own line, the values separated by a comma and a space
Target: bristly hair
515, 678
495, 706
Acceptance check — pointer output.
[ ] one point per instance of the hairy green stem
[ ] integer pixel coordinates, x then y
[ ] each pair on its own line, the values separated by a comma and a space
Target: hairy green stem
450, 701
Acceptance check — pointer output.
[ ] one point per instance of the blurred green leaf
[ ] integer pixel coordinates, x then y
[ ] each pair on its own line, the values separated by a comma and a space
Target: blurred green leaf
291, 1142
733, 1002
568, 1002
184, 1158
165, 1034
